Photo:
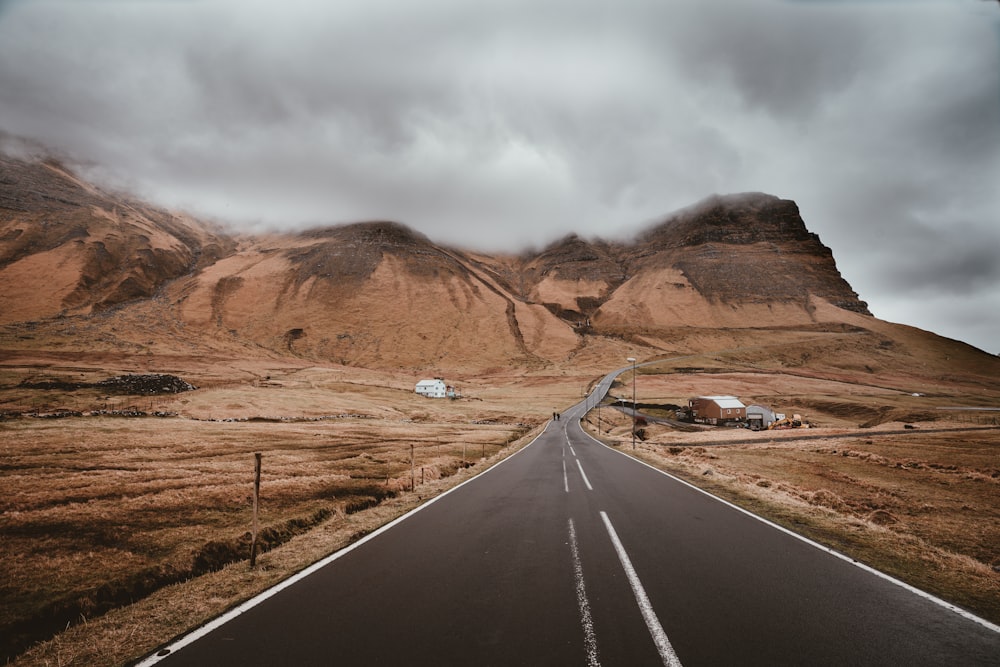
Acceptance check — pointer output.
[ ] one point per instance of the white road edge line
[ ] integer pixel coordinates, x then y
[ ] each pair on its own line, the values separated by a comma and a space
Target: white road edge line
968, 615
589, 638
584, 475
219, 621
670, 658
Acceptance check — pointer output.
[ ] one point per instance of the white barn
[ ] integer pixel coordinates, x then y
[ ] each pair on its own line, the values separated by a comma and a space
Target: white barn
760, 416
435, 388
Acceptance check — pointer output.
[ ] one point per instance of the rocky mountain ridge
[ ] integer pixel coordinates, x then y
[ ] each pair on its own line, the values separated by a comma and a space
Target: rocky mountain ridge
732, 249
381, 294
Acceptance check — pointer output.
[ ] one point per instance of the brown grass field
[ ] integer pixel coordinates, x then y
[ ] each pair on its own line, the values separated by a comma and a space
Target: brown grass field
121, 530
101, 511
119, 533
882, 476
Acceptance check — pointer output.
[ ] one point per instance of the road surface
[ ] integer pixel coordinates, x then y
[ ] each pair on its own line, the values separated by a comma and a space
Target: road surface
571, 553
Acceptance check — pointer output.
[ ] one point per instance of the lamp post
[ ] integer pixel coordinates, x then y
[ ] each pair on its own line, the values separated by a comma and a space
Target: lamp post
598, 413
632, 359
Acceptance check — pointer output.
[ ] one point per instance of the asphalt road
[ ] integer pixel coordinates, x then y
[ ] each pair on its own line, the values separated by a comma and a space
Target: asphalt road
570, 553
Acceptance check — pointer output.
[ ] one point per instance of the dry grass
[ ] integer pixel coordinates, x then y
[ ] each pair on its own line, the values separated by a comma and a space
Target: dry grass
100, 511
923, 506
128, 632
97, 511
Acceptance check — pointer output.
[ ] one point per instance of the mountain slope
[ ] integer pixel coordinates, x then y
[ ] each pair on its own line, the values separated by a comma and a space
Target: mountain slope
730, 261
778, 258
367, 294
96, 271
67, 248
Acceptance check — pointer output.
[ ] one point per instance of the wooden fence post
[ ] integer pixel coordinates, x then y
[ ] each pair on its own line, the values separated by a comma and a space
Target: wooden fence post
256, 496
413, 479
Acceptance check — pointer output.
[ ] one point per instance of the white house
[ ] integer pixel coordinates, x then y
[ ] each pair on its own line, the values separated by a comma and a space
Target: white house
435, 388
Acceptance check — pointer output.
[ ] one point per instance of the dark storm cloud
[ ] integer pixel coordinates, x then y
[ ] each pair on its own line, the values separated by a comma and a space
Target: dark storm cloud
958, 259
498, 124
780, 60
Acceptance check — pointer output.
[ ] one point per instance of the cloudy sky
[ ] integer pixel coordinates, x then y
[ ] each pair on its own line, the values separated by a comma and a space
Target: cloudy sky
499, 124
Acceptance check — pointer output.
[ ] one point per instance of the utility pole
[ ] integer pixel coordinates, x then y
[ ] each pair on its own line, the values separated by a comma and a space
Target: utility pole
256, 496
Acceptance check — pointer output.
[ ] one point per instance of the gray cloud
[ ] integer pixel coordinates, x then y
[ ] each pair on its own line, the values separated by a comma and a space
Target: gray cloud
959, 260
503, 123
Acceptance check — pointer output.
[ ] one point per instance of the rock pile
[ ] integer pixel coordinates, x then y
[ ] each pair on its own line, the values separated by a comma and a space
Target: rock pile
147, 384
132, 384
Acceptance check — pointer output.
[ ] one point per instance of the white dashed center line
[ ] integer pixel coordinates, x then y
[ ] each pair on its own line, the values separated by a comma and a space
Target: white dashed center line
584, 475
670, 658
589, 638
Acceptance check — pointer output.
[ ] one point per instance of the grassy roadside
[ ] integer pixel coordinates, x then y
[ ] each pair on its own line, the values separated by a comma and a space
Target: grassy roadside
947, 575
125, 634
940, 530
931, 525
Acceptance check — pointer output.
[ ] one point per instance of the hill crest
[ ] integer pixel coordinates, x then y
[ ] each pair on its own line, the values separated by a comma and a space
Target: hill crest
381, 294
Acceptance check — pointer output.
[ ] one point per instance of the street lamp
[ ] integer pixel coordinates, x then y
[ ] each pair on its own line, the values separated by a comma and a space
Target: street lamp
632, 359
599, 399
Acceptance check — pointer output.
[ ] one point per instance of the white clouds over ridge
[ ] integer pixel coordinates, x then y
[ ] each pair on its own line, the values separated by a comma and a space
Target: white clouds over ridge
496, 124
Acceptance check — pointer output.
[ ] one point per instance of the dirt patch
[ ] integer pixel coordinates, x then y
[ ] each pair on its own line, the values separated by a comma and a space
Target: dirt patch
869, 416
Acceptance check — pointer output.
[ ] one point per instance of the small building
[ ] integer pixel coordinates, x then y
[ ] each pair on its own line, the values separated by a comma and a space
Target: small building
760, 417
717, 409
435, 388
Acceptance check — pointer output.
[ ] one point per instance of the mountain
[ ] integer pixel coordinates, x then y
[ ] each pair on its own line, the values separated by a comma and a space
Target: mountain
68, 247
730, 261
370, 294
98, 270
